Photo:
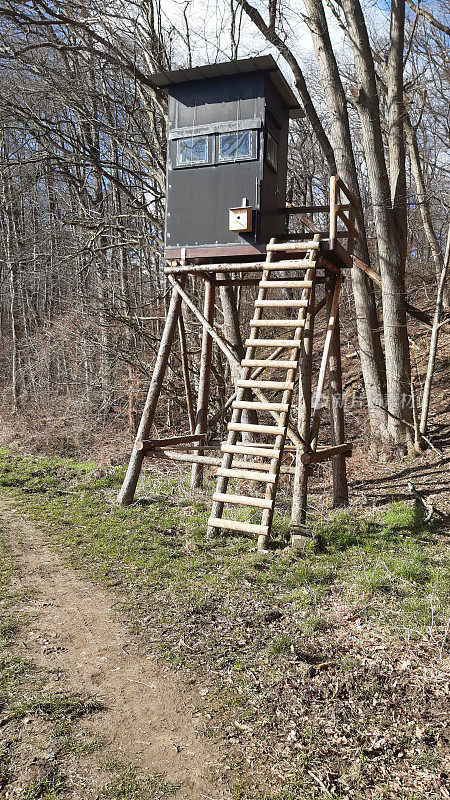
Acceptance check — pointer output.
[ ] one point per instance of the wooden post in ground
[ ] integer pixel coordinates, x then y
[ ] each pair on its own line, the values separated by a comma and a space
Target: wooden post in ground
332, 297
201, 419
340, 485
300, 488
185, 368
126, 494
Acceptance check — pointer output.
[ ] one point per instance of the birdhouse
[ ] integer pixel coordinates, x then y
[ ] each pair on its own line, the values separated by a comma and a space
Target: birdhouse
226, 157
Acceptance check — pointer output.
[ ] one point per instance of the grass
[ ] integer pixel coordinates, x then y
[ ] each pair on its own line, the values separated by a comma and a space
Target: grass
50, 788
128, 786
158, 544
241, 620
55, 706
281, 645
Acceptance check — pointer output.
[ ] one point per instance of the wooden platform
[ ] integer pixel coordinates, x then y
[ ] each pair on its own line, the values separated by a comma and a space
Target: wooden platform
332, 252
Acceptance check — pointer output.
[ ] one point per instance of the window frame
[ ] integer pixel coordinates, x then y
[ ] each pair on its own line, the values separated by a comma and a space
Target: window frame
271, 136
250, 157
205, 162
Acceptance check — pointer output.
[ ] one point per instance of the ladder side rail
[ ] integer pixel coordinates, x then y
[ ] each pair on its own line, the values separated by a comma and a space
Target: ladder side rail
300, 483
275, 464
233, 435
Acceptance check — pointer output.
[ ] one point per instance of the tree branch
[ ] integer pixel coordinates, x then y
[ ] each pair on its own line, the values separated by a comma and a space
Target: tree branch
429, 17
300, 83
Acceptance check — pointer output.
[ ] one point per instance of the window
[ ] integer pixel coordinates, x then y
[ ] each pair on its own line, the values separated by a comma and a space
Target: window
272, 151
193, 150
235, 146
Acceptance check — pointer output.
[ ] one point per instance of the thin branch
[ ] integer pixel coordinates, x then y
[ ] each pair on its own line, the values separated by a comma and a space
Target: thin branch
429, 17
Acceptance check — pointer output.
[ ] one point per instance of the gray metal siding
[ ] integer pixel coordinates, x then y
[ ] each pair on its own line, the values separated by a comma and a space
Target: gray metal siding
218, 100
198, 200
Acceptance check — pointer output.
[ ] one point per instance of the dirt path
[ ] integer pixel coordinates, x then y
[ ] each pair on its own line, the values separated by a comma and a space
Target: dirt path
151, 717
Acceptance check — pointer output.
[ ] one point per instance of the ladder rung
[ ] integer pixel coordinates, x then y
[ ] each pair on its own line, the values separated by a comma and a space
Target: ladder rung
283, 266
277, 323
268, 362
276, 430
256, 405
236, 525
285, 284
281, 303
241, 500
253, 384
273, 343
247, 474
249, 450
244, 464
292, 246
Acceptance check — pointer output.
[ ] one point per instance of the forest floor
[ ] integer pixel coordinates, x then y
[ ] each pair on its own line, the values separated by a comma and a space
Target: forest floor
141, 661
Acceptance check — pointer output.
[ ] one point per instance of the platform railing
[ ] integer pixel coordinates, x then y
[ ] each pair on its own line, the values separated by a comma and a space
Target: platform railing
342, 212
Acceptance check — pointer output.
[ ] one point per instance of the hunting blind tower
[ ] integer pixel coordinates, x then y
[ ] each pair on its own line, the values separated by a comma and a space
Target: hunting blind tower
227, 226
227, 151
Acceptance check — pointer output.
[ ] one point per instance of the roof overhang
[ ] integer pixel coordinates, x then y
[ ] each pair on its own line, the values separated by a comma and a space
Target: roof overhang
244, 66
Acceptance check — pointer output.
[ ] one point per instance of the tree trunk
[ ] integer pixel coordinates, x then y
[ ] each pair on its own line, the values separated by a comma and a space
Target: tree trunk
124, 282
396, 138
339, 462
232, 334
11, 248
201, 418
370, 350
97, 209
389, 237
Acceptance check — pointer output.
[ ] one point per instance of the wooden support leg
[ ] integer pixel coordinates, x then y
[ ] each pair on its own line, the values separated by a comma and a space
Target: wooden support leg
340, 485
201, 419
185, 368
226, 350
300, 489
126, 494
332, 289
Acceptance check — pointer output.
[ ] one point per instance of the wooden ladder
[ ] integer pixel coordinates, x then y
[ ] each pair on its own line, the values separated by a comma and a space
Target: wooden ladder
263, 458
